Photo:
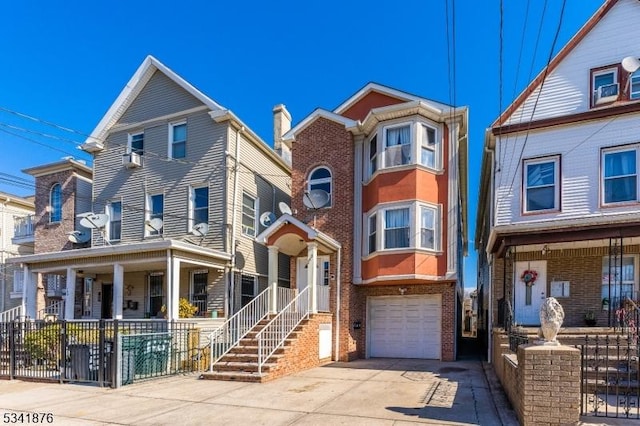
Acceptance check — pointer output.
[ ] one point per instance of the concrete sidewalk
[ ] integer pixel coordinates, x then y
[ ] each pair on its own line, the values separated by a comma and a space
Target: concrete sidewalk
364, 392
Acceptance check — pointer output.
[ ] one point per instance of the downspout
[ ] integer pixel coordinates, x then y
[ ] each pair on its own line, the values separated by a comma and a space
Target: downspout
233, 222
338, 282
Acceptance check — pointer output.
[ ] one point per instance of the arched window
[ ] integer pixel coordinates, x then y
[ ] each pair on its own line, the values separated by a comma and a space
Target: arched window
320, 178
55, 203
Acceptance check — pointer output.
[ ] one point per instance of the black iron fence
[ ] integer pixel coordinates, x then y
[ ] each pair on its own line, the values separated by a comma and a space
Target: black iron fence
517, 337
105, 352
610, 379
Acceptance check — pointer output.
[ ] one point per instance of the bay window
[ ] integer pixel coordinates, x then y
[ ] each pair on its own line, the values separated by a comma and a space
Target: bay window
427, 227
397, 151
619, 175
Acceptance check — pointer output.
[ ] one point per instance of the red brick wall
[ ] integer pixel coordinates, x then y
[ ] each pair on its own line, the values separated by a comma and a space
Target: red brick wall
51, 237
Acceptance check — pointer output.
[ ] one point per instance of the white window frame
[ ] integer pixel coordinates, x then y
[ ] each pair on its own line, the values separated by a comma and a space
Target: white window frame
437, 146
256, 208
372, 162
415, 226
598, 73
172, 142
372, 232
634, 77
108, 211
148, 213
53, 208
412, 144
17, 287
614, 282
603, 154
130, 138
319, 181
192, 203
556, 183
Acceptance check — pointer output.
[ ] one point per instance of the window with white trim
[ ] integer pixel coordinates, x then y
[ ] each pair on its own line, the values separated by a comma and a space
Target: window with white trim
397, 145
618, 280
373, 232
397, 228
428, 152
199, 205
249, 217
373, 155
18, 281
154, 210
605, 85
114, 211
634, 85
136, 143
55, 203
428, 227
619, 175
320, 178
178, 140
541, 184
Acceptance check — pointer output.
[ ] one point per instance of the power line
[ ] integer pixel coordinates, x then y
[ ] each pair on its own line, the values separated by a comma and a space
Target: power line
37, 142
48, 123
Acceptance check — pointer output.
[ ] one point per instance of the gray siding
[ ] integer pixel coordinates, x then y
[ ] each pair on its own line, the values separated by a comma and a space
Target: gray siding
161, 96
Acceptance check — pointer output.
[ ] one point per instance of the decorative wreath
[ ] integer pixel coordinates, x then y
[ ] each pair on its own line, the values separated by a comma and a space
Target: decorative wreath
529, 277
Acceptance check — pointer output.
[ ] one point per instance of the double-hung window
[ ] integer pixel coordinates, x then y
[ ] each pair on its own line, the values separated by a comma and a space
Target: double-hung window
428, 152
605, 85
397, 146
199, 205
541, 184
373, 232
136, 143
373, 155
396, 228
178, 140
55, 203
249, 222
114, 211
428, 227
155, 214
619, 175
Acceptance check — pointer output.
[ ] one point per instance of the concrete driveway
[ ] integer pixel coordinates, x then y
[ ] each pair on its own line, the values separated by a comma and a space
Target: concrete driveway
365, 392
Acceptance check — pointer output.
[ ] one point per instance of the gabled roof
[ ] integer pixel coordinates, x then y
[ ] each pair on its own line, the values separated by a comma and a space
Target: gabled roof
133, 88
398, 94
66, 163
575, 40
295, 245
318, 113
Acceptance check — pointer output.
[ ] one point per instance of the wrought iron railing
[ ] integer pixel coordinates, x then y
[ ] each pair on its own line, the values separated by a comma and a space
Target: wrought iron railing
517, 336
273, 335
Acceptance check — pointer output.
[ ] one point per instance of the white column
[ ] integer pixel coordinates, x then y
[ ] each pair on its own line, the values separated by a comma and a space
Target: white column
273, 279
118, 290
173, 287
312, 275
69, 298
26, 283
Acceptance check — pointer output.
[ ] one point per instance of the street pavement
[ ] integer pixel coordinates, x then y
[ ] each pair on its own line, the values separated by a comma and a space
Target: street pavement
365, 392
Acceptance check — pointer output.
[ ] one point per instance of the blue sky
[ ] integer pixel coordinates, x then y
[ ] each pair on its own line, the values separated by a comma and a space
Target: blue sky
67, 64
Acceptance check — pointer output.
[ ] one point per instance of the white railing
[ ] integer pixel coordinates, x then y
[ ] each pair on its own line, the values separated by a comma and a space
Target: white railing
11, 314
323, 298
273, 335
237, 326
285, 295
23, 226
200, 304
54, 310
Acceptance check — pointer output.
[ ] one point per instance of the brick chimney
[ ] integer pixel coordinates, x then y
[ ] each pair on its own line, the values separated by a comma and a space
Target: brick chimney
281, 125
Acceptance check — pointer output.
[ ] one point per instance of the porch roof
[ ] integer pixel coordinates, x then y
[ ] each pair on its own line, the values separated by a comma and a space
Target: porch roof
291, 236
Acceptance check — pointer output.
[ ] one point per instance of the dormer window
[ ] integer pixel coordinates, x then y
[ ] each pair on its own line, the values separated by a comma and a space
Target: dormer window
605, 85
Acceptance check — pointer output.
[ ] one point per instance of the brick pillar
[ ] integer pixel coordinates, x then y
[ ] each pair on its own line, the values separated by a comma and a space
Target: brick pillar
550, 383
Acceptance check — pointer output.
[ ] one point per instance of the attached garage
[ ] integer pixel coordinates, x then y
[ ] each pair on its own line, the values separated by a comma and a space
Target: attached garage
404, 326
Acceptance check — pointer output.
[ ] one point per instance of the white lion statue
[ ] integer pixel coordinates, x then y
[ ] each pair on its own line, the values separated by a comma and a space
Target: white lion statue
551, 317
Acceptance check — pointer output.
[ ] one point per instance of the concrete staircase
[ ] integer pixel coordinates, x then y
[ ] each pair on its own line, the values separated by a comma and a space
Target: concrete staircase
241, 362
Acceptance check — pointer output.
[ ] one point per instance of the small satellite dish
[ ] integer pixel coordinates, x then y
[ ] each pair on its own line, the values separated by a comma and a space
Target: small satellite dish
200, 229
154, 224
631, 64
284, 208
93, 220
79, 237
316, 198
267, 218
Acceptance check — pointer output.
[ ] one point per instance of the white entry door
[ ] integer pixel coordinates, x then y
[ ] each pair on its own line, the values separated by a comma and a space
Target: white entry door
529, 298
322, 273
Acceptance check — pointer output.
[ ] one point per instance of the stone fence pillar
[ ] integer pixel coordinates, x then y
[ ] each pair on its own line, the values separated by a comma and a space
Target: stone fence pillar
550, 384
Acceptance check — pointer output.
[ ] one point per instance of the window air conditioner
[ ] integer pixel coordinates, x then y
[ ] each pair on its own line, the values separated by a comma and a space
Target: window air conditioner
606, 93
131, 160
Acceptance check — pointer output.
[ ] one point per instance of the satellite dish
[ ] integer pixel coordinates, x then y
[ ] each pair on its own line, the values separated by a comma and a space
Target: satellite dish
631, 64
316, 198
93, 220
155, 224
267, 218
79, 237
200, 229
284, 208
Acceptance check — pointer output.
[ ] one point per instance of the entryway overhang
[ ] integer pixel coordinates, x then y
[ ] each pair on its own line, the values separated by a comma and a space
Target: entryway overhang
291, 237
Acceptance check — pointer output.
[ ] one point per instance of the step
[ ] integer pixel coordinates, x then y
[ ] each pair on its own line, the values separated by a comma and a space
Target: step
235, 376
250, 367
253, 349
247, 358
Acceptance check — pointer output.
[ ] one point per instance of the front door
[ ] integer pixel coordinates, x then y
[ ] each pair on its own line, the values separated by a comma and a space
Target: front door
530, 291
107, 301
322, 275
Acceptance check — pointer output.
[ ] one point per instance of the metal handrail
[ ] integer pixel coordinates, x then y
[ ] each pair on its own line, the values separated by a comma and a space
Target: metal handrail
237, 326
11, 314
273, 335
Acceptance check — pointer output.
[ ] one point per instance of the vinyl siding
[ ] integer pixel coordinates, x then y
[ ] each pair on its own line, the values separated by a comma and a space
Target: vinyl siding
566, 90
159, 97
579, 147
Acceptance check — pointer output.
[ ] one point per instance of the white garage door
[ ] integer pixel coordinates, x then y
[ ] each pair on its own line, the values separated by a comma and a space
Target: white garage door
405, 326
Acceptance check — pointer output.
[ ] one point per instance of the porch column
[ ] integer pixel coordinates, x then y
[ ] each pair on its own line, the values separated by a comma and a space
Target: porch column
29, 292
69, 298
118, 290
273, 279
173, 287
312, 275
